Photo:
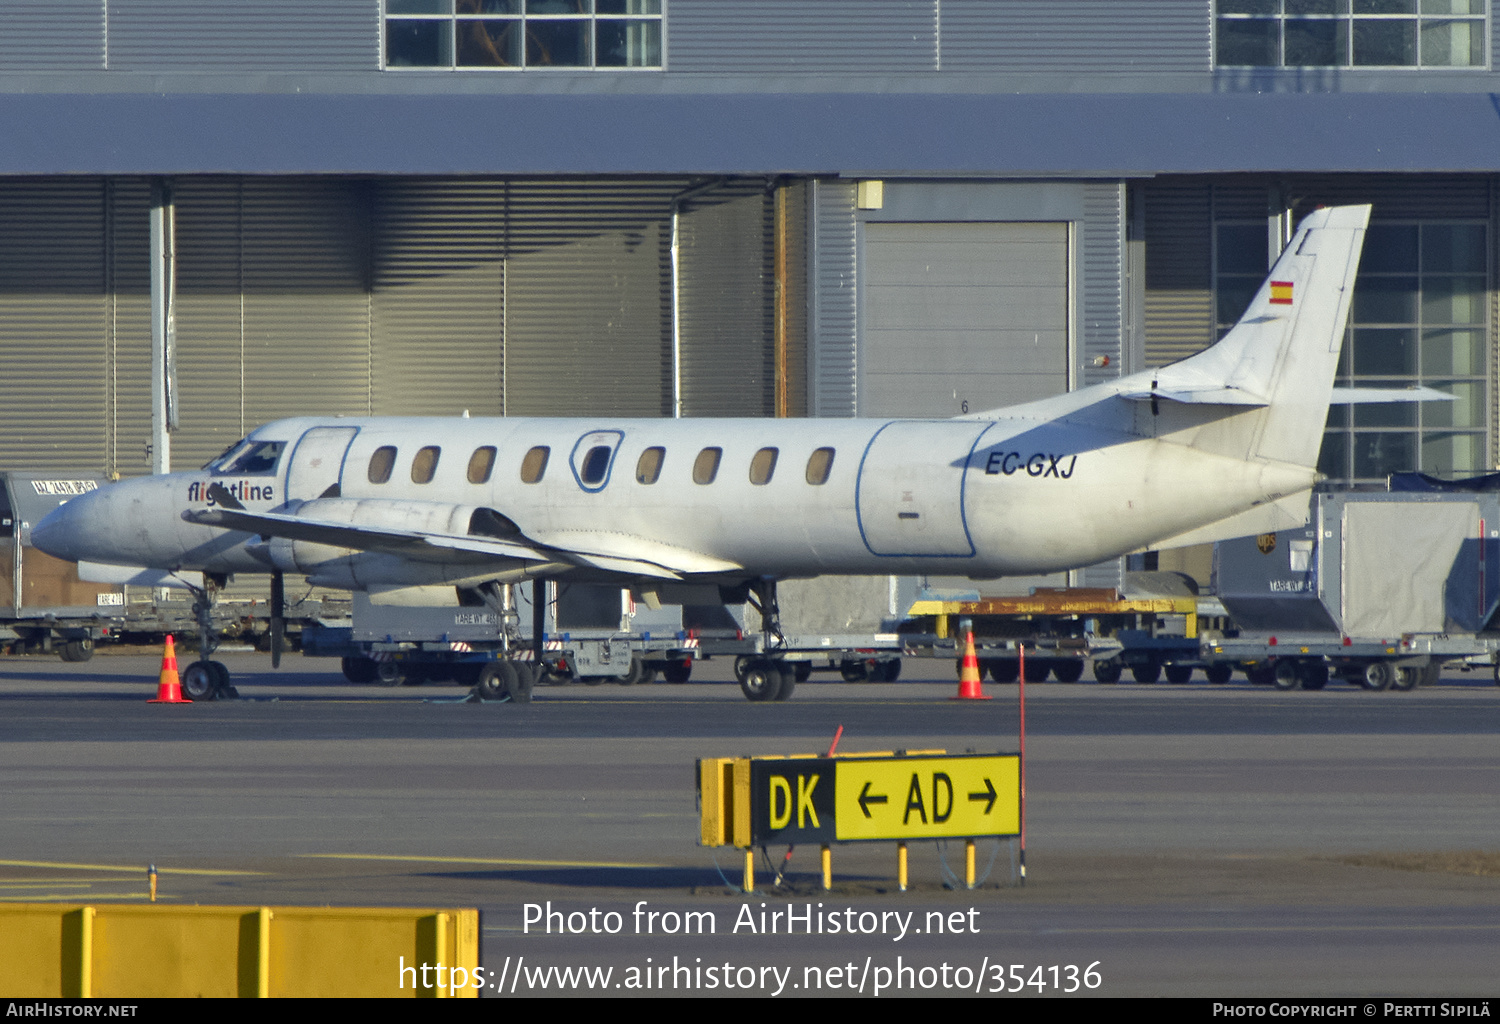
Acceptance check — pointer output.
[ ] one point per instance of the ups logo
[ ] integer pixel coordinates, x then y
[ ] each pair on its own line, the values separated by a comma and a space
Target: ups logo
1265, 543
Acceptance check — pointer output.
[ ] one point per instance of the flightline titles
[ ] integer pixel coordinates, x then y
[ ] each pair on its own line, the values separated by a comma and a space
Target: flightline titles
793, 919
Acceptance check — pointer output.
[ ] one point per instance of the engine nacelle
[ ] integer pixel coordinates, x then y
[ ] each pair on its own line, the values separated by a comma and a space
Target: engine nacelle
333, 562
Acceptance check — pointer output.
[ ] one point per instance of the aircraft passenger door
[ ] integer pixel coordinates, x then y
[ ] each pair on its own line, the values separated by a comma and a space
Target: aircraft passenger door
593, 457
317, 462
911, 488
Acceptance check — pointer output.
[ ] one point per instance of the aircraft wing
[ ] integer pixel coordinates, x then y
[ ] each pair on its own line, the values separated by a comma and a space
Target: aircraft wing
609, 553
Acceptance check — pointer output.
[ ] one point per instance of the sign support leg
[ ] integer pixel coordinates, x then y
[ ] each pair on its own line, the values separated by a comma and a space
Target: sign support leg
901, 865
749, 869
969, 863
827, 867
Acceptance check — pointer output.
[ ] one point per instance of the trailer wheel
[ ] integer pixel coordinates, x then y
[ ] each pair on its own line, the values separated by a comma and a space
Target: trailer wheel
1314, 675
1179, 673
77, 650
1067, 670
1147, 673
1218, 673
1378, 676
762, 680
856, 671
802, 670
885, 671
1407, 678
389, 673
359, 669
1286, 676
1108, 670
677, 671
1003, 670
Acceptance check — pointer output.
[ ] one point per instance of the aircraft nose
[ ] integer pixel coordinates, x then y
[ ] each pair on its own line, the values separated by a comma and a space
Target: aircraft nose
62, 532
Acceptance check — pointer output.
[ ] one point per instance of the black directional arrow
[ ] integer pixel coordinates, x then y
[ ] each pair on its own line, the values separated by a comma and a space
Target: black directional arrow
865, 799
990, 796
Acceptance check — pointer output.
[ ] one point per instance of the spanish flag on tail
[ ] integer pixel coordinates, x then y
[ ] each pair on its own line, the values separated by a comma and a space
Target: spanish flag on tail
1281, 293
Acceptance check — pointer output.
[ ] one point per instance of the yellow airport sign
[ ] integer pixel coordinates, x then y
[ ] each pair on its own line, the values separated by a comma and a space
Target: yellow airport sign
928, 797
857, 797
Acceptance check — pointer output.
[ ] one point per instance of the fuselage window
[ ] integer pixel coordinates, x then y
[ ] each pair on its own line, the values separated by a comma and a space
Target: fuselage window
595, 465
819, 466
481, 465
706, 465
648, 467
381, 464
763, 465
535, 464
425, 464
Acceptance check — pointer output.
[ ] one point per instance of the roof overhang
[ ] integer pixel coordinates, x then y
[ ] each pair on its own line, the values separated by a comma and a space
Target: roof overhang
864, 134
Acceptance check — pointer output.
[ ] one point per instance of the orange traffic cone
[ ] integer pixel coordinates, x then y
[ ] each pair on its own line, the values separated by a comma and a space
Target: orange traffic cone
968, 673
168, 686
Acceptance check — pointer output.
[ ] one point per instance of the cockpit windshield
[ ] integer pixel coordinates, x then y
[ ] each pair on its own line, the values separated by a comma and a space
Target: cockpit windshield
248, 458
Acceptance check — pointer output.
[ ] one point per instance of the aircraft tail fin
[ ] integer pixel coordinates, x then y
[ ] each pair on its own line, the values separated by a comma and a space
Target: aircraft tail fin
1278, 363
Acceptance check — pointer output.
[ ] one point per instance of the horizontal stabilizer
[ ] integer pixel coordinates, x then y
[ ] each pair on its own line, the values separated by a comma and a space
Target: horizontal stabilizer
1219, 394
1360, 396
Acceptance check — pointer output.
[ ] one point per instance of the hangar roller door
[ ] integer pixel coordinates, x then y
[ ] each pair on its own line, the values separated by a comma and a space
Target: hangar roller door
962, 317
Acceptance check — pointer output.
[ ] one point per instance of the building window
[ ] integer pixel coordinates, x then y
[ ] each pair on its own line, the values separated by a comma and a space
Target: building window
1349, 33
523, 34
1419, 318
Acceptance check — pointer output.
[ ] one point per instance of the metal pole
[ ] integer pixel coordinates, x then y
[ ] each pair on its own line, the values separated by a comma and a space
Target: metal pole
163, 326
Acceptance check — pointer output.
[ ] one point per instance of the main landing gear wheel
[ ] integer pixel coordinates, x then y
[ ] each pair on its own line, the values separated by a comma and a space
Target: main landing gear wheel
765, 679
206, 680
501, 679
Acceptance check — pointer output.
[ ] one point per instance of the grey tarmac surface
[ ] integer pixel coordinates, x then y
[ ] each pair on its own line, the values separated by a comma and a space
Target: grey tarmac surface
1182, 840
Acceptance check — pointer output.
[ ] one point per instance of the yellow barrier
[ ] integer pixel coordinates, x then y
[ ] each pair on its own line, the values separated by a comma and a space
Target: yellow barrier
112, 952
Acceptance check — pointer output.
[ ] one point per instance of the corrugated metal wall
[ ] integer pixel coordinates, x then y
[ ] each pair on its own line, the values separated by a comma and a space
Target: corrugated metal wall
1179, 268
727, 308
1101, 238
53, 323
37, 34
438, 298
834, 302
172, 35
1064, 35
767, 36
299, 296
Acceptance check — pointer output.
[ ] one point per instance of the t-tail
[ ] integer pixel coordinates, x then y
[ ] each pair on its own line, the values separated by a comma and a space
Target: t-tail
1262, 393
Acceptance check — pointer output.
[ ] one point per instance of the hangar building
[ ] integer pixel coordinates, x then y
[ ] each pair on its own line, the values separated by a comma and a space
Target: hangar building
719, 207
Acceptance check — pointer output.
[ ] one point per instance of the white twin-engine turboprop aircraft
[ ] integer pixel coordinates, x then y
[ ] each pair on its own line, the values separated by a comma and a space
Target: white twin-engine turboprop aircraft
1209, 447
